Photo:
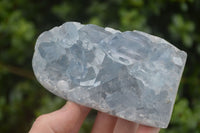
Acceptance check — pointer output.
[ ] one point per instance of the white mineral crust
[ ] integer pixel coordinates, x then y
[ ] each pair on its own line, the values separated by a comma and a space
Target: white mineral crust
132, 75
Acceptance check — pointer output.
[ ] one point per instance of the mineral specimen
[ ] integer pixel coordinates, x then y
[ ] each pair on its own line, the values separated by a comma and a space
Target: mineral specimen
131, 75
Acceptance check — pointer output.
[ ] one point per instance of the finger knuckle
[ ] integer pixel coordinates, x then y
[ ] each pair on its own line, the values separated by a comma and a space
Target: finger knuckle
41, 119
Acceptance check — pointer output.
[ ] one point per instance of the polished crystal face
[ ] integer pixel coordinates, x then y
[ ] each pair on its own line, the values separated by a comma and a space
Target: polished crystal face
131, 75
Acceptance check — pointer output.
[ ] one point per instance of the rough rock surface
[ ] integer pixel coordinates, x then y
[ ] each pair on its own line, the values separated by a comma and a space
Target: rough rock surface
132, 75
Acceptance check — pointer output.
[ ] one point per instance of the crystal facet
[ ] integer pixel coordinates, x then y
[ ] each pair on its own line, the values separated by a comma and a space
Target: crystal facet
132, 75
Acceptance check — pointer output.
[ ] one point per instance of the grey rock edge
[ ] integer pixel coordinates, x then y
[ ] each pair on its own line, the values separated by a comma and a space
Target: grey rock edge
132, 75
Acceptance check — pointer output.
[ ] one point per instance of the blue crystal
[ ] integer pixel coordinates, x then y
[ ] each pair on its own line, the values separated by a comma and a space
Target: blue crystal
132, 75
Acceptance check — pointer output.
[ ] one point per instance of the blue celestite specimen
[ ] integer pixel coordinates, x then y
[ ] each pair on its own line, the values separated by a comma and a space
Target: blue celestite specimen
132, 75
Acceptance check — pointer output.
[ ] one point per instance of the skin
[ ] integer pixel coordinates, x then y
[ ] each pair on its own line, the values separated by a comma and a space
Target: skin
70, 117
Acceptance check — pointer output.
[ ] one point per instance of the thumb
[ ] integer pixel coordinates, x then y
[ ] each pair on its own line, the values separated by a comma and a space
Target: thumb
68, 119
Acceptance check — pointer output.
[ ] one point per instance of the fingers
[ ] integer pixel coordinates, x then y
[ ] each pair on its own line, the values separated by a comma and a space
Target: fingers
66, 120
147, 129
104, 123
124, 126
70, 118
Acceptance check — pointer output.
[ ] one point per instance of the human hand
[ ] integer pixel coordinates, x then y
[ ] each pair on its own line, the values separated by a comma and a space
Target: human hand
70, 117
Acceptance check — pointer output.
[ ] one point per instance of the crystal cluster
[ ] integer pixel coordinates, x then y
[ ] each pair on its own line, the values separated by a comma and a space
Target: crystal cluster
131, 75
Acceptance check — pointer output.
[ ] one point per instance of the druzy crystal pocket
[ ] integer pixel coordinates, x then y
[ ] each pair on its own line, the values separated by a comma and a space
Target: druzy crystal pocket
131, 75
